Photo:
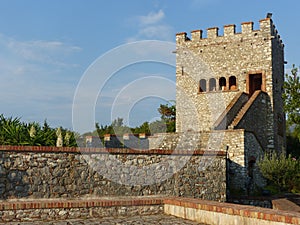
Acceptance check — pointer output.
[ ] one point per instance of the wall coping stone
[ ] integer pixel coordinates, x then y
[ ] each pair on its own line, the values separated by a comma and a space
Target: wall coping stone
24, 204
84, 150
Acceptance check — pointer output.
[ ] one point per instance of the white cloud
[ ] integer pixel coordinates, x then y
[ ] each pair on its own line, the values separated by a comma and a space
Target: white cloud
157, 32
152, 18
41, 51
152, 26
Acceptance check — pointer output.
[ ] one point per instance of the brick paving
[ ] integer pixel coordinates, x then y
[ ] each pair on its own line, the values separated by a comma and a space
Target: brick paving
136, 220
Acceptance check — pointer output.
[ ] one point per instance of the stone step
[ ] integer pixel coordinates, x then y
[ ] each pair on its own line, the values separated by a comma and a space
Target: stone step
244, 110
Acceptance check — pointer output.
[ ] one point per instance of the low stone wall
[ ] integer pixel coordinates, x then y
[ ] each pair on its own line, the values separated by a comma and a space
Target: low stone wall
50, 172
215, 213
285, 204
202, 211
63, 209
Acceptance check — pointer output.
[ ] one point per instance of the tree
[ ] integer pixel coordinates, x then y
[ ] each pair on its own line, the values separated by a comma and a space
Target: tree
119, 128
167, 112
168, 115
291, 97
144, 128
167, 123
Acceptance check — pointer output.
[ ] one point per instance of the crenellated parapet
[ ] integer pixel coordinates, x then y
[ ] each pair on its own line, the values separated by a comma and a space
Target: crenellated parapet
267, 30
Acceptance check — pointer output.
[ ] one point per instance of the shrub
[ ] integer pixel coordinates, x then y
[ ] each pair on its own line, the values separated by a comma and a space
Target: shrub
282, 171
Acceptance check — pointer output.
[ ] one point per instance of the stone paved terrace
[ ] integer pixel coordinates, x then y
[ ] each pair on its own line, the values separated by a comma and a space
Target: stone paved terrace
135, 220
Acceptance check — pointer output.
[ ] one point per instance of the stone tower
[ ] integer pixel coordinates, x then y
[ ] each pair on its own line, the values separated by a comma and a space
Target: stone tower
232, 82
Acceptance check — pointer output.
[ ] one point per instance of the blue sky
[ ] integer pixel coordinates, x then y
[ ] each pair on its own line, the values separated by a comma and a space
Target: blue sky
46, 47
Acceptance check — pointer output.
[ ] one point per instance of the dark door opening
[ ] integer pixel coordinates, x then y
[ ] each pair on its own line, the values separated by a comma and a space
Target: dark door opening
255, 83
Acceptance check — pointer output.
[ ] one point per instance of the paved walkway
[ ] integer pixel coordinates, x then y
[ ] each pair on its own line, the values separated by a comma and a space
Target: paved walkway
136, 220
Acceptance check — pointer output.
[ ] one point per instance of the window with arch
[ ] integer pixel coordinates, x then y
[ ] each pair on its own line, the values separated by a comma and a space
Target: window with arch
232, 83
212, 84
202, 84
222, 83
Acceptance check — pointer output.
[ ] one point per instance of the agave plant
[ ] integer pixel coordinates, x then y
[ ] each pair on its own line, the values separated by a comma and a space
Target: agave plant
15, 132
12, 131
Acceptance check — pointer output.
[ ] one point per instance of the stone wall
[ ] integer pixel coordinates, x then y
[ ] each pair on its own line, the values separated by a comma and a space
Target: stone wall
278, 80
256, 120
48, 172
137, 141
241, 147
254, 153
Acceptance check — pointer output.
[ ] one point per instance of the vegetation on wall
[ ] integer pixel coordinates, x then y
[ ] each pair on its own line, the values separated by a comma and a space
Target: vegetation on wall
15, 132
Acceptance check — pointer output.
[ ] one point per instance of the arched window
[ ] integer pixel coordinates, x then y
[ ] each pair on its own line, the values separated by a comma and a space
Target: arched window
222, 83
212, 84
232, 83
202, 87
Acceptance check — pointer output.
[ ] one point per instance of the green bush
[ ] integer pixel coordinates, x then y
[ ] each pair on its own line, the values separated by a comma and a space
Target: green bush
15, 132
281, 171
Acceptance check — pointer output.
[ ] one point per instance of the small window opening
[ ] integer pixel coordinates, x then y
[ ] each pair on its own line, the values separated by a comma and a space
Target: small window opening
222, 83
232, 83
212, 84
202, 87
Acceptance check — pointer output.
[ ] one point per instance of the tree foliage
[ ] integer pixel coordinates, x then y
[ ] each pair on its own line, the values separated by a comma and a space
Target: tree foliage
117, 127
282, 171
291, 97
168, 115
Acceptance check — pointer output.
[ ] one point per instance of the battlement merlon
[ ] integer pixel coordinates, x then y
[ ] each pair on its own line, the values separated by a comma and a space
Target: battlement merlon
196, 34
229, 30
266, 27
182, 37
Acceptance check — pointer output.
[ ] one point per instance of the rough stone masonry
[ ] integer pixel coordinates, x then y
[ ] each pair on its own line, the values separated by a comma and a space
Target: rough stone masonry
233, 82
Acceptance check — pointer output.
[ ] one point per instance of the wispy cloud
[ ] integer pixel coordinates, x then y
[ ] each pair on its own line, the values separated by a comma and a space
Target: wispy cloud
152, 26
152, 18
35, 81
40, 51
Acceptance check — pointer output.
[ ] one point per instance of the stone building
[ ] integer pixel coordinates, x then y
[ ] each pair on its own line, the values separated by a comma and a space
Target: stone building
229, 91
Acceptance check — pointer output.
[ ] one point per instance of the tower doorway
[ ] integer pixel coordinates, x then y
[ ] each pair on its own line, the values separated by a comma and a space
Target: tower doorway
255, 83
